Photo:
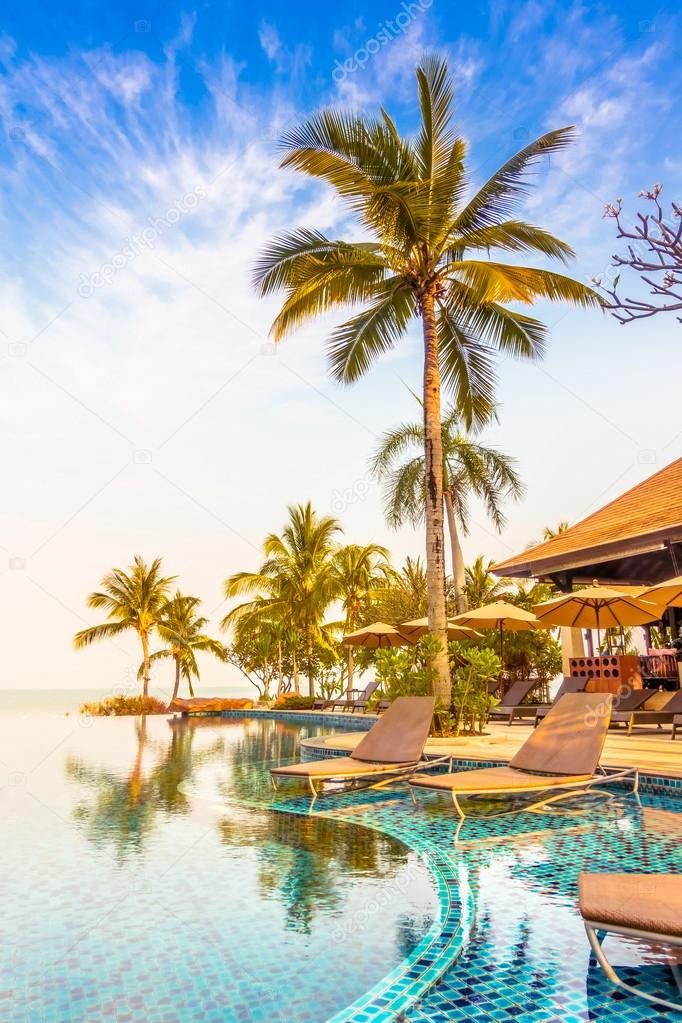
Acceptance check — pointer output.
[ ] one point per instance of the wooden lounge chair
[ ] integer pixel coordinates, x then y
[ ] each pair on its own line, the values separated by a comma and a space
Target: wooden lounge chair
625, 706
359, 701
643, 906
511, 707
664, 715
559, 759
570, 684
391, 749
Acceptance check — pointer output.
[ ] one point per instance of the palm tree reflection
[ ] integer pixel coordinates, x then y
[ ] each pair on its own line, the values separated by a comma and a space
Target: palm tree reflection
127, 807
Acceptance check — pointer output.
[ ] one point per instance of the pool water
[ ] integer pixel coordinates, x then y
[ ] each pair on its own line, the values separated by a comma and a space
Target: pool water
148, 873
125, 898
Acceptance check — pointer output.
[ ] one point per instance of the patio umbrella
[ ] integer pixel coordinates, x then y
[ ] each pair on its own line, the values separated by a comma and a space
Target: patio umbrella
597, 607
499, 615
420, 627
665, 594
377, 635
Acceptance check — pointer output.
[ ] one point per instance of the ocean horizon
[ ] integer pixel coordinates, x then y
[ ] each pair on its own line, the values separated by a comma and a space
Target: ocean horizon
58, 702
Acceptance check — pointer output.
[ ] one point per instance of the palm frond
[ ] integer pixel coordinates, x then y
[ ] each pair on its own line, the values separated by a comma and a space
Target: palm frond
356, 344
500, 282
499, 197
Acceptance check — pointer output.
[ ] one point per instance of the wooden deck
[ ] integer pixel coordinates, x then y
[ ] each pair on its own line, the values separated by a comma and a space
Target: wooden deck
652, 751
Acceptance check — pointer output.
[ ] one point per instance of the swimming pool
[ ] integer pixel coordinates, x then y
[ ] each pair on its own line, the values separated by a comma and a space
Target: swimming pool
123, 898
147, 875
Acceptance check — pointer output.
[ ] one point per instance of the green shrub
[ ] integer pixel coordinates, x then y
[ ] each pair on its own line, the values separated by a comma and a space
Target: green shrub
118, 706
290, 701
407, 672
471, 701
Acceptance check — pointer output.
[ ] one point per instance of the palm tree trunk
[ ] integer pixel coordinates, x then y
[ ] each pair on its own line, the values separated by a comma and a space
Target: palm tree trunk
349, 694
145, 658
309, 656
176, 687
297, 681
457, 556
280, 677
433, 466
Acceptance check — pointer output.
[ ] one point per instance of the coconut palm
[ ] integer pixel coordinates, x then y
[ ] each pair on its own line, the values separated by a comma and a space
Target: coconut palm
419, 257
296, 581
469, 469
357, 574
403, 595
134, 600
182, 629
481, 586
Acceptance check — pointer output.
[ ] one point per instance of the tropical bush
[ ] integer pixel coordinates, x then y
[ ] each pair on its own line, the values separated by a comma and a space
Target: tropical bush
408, 671
471, 701
290, 701
119, 706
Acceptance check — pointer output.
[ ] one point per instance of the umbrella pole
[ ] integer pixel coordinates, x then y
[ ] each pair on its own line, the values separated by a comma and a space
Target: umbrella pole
598, 632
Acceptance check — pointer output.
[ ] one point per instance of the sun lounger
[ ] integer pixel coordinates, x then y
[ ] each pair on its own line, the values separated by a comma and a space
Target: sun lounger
559, 759
570, 684
357, 702
391, 749
643, 906
664, 715
625, 706
511, 707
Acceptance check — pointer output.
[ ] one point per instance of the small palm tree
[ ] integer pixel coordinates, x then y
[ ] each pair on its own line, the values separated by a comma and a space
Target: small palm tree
182, 629
481, 585
424, 255
296, 581
357, 574
469, 469
134, 600
549, 532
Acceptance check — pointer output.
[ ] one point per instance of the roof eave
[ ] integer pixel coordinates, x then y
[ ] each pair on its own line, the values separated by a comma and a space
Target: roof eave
570, 560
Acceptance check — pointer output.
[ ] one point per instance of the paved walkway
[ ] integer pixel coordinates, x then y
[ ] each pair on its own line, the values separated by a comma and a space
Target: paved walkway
650, 750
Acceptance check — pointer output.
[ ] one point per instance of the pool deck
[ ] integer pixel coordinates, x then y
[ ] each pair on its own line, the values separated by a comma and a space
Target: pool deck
650, 751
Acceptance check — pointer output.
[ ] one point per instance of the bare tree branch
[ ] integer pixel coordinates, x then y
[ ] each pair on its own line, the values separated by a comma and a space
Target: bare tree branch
654, 252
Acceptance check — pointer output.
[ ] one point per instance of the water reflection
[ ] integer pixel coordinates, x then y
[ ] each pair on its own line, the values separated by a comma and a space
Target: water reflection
305, 863
126, 808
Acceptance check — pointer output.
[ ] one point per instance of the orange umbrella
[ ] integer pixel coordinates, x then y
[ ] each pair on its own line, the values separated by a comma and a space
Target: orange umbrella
377, 635
498, 615
666, 594
420, 627
597, 607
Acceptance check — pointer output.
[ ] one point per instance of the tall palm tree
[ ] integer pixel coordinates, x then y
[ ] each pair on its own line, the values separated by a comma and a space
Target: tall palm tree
133, 600
297, 578
469, 469
357, 575
182, 629
481, 586
403, 595
419, 257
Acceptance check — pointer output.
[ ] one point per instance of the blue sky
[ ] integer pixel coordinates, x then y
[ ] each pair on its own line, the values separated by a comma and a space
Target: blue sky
143, 408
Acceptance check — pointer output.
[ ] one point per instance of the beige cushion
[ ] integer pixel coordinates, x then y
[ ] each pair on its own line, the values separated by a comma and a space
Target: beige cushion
336, 767
400, 733
570, 739
492, 779
643, 902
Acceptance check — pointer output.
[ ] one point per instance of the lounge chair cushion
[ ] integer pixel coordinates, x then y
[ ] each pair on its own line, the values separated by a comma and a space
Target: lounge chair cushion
570, 739
642, 902
337, 767
493, 779
399, 735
